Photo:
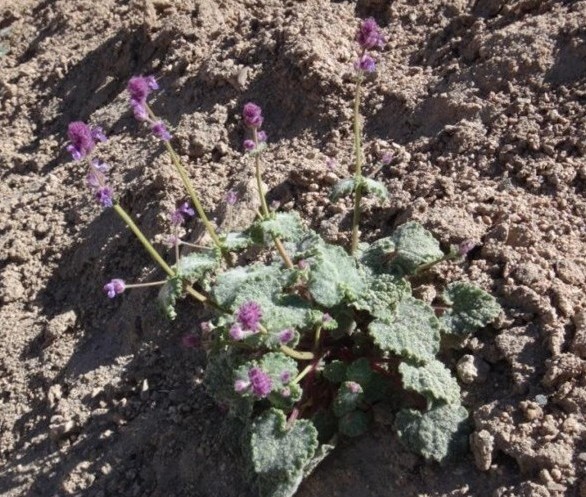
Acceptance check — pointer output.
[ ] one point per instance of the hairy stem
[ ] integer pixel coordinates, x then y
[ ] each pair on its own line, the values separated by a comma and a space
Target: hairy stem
296, 354
358, 166
155, 255
265, 209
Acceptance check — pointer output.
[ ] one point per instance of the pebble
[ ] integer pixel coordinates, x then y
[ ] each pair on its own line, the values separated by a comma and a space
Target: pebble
472, 369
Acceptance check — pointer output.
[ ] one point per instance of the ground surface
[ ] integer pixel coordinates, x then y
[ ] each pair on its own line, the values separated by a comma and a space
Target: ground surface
483, 105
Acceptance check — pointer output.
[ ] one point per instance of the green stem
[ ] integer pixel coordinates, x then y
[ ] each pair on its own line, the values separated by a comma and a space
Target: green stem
358, 166
303, 374
145, 243
296, 354
155, 255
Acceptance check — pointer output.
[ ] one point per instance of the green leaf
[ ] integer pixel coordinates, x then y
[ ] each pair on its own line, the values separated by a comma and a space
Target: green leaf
280, 367
359, 371
168, 295
376, 255
326, 424
471, 308
434, 434
415, 246
236, 241
279, 485
195, 266
354, 423
348, 398
284, 225
375, 188
377, 389
432, 380
382, 294
413, 332
334, 276
277, 448
342, 188
335, 371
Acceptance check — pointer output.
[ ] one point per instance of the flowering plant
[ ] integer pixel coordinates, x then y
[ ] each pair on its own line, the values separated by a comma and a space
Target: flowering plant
304, 347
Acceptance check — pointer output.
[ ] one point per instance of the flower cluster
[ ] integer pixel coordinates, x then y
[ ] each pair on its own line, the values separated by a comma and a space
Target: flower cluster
368, 37
83, 139
253, 119
258, 381
247, 321
115, 287
181, 214
97, 182
140, 88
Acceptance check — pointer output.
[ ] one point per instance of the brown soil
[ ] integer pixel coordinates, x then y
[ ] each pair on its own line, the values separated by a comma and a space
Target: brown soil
483, 105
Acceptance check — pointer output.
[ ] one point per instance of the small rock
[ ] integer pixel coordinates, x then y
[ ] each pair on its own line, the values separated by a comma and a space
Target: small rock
144, 389
482, 446
59, 431
54, 395
472, 369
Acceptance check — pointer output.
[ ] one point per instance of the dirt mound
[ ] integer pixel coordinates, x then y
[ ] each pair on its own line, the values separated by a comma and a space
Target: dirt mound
483, 105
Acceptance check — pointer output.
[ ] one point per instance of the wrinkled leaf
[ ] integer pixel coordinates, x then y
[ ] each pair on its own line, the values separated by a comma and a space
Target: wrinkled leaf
354, 423
359, 371
436, 433
284, 225
348, 398
195, 266
168, 295
415, 246
276, 448
236, 241
432, 380
342, 188
471, 308
382, 294
375, 188
334, 276
413, 332
335, 371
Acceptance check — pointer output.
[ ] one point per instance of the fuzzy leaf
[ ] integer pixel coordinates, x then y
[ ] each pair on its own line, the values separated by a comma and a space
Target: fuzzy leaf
342, 188
415, 246
435, 433
382, 294
377, 254
375, 188
349, 397
413, 332
194, 266
471, 308
168, 295
354, 423
432, 380
377, 389
334, 276
277, 448
279, 485
359, 371
284, 225
236, 241
335, 371
281, 368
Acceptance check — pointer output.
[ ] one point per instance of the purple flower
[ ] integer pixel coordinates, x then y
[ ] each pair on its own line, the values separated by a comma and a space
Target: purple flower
260, 381
326, 318
331, 163
285, 376
186, 210
206, 327
179, 215
262, 136
104, 196
286, 392
241, 386
82, 142
231, 197
237, 333
140, 87
160, 131
171, 240
387, 158
286, 335
114, 287
100, 166
354, 387
465, 247
249, 145
93, 180
303, 264
365, 64
252, 115
369, 35
190, 341
139, 110
98, 135
249, 315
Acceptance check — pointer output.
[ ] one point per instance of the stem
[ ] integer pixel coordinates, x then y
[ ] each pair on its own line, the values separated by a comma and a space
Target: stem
141, 285
296, 354
145, 243
189, 187
303, 374
155, 255
358, 170
265, 208
316, 339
